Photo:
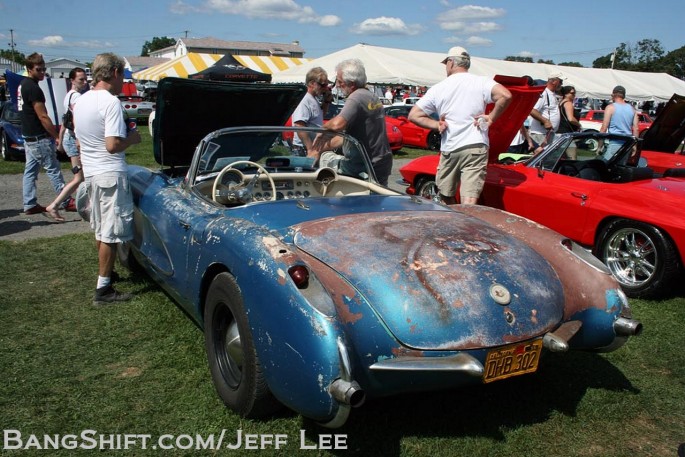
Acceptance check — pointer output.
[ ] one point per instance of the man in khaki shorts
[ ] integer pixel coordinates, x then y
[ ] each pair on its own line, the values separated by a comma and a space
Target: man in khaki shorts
460, 101
101, 130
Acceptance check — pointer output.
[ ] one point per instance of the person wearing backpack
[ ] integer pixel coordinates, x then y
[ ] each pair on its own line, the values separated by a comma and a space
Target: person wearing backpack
67, 140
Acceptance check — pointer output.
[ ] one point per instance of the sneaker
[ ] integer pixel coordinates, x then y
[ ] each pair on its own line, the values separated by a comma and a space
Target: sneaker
108, 295
38, 209
70, 206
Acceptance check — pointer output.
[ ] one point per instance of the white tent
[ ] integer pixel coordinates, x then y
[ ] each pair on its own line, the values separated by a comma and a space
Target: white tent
417, 68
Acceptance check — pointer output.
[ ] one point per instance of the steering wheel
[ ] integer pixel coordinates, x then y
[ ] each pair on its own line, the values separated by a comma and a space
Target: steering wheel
247, 186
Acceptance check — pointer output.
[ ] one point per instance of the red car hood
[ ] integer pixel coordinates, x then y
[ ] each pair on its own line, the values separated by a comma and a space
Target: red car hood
504, 129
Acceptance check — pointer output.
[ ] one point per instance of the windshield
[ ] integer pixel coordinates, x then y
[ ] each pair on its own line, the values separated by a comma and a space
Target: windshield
273, 148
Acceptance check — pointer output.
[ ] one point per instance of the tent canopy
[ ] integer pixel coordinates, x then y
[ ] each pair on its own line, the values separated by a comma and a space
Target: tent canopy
417, 68
229, 69
193, 62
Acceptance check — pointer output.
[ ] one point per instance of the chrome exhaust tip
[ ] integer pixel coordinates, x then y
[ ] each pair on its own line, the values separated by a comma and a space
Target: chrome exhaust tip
624, 326
348, 392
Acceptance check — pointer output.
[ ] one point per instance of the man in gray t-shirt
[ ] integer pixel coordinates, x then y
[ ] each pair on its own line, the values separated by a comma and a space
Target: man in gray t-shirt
362, 117
308, 113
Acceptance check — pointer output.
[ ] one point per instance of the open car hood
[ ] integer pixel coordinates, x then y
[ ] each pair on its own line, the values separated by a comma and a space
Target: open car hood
503, 131
668, 130
432, 277
187, 110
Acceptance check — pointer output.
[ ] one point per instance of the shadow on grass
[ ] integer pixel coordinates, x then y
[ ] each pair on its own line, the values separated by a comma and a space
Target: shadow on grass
481, 411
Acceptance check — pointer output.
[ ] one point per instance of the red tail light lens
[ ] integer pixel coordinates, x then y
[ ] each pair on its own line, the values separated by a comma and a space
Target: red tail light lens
300, 276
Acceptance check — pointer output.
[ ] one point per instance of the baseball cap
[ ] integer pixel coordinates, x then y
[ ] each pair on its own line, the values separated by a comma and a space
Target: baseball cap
457, 51
558, 75
619, 90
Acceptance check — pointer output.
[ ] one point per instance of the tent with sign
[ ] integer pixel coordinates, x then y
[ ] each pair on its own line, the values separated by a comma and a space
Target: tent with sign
229, 69
390, 66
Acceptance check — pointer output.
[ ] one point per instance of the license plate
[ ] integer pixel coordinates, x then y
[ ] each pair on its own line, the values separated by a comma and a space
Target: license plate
144, 111
512, 360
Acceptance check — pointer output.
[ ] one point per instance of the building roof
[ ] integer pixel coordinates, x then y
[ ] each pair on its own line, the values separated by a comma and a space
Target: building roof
276, 49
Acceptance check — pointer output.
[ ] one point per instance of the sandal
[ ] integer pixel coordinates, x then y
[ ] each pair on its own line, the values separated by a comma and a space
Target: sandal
53, 213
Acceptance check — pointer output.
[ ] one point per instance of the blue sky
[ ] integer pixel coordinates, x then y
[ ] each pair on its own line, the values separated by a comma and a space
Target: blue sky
580, 31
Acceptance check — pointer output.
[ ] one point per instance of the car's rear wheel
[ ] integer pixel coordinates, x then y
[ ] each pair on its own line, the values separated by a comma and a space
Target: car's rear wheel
641, 257
5, 147
433, 142
233, 361
427, 188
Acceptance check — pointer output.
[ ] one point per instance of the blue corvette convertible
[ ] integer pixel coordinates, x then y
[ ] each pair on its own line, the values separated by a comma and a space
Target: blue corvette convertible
316, 287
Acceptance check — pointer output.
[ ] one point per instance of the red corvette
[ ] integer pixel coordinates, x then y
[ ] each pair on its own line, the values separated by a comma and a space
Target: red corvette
412, 134
592, 120
630, 215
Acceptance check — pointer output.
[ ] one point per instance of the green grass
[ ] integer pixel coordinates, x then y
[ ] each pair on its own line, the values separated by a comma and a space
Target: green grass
140, 367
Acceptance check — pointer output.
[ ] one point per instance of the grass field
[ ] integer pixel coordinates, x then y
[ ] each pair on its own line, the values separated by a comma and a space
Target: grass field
140, 368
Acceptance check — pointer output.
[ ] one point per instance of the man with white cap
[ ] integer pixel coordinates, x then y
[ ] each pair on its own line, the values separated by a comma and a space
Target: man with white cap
459, 102
545, 113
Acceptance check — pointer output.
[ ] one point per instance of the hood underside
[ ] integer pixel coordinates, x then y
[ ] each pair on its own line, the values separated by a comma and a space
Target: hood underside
437, 279
189, 109
668, 130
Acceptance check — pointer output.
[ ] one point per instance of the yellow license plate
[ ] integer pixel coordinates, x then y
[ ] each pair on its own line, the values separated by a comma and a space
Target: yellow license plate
512, 360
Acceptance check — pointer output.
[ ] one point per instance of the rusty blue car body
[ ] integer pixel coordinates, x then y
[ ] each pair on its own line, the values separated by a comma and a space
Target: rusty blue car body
316, 287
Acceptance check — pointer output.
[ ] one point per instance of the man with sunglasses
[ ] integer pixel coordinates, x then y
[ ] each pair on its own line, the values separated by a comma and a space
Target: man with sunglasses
39, 135
309, 113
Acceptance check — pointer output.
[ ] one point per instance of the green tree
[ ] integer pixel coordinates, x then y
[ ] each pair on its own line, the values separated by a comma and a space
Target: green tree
519, 59
571, 64
155, 44
548, 61
647, 55
15, 56
674, 63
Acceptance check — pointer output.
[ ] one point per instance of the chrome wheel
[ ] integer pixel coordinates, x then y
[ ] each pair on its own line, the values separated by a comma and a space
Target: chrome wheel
642, 258
428, 189
631, 256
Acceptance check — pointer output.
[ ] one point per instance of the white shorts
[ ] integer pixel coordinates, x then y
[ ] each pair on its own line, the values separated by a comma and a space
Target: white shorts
111, 206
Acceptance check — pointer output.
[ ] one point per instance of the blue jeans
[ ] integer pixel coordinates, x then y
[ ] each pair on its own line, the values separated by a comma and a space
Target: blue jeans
39, 154
69, 144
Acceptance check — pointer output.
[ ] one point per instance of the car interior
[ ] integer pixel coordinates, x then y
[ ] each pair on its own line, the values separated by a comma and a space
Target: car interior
603, 159
244, 167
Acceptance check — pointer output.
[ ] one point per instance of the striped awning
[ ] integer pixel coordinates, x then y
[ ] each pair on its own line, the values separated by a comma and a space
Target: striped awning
270, 64
194, 62
180, 67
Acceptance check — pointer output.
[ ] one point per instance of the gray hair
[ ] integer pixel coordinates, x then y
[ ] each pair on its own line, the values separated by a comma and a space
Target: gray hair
461, 61
352, 72
104, 66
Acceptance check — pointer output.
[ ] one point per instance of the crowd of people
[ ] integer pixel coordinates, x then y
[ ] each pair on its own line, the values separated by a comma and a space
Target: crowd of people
94, 137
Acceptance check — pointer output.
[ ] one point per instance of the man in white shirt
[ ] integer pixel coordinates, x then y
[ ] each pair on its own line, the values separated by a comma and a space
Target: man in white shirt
103, 135
545, 114
460, 101
309, 113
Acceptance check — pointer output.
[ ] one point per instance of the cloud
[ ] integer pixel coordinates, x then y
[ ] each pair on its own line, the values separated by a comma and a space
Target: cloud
385, 26
471, 12
479, 41
56, 41
470, 19
287, 10
51, 40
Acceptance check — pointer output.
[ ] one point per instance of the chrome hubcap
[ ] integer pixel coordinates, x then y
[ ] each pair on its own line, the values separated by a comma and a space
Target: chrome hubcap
631, 256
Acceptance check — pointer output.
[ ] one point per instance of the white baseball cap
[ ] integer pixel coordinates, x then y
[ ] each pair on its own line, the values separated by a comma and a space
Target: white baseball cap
457, 51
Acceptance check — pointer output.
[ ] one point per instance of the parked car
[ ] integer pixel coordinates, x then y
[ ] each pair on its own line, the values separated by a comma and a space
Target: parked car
662, 145
592, 120
628, 215
409, 101
11, 141
412, 134
136, 107
316, 287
